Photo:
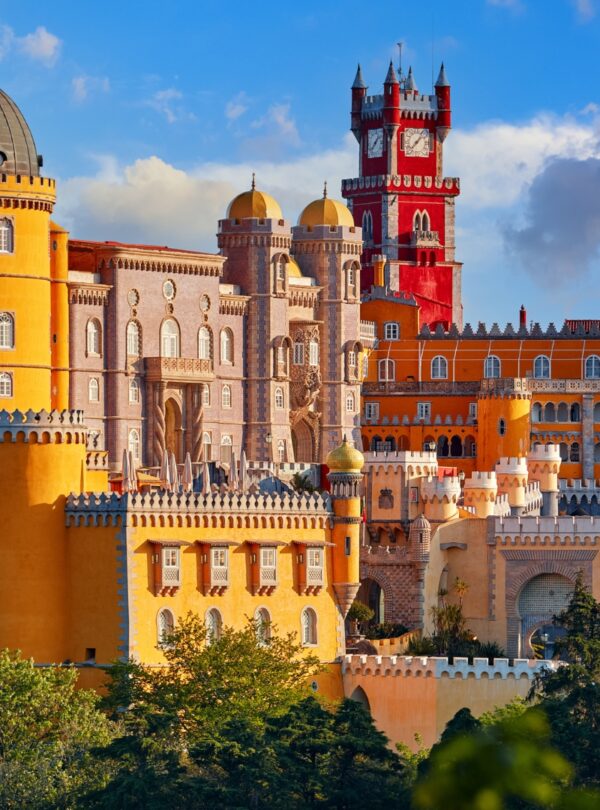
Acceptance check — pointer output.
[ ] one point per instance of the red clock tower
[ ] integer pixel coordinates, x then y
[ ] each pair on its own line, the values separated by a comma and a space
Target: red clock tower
400, 199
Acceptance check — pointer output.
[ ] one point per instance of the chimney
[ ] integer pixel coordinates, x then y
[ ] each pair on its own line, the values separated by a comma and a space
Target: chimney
523, 317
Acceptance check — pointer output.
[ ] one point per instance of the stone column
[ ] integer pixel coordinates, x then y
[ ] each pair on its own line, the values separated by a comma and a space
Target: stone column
159, 422
197, 423
587, 436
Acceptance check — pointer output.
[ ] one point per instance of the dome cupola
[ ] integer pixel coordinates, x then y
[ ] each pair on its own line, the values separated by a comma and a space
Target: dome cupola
18, 155
326, 212
345, 458
254, 204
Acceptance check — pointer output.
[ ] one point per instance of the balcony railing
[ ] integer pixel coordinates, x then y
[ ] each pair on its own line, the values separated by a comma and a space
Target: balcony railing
171, 577
425, 238
314, 576
186, 369
219, 577
267, 577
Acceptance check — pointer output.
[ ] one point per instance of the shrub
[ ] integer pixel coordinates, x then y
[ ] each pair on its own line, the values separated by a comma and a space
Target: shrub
386, 630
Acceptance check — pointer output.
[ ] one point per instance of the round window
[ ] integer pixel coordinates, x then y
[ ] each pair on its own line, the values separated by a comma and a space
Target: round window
133, 297
169, 290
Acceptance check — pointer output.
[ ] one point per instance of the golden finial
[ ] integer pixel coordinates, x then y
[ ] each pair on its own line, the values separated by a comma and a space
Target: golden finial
325, 190
253, 181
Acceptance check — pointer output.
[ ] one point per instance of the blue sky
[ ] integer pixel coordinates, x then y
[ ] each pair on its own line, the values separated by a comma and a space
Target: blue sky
153, 116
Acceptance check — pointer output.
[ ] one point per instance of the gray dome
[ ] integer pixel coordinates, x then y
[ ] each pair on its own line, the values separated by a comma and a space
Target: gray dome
18, 154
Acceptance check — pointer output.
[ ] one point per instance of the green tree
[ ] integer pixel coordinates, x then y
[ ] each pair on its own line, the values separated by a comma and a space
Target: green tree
570, 695
48, 730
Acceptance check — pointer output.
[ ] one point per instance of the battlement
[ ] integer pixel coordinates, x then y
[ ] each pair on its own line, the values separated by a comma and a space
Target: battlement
401, 456
536, 331
219, 509
446, 487
395, 181
323, 233
20, 183
512, 466
481, 480
436, 667
43, 425
548, 531
501, 505
97, 460
579, 485
533, 497
544, 452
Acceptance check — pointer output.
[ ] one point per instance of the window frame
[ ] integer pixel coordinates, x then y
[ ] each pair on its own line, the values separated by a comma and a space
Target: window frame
91, 385
93, 336
226, 398
134, 385
596, 361
439, 367
134, 438
492, 363
387, 364
7, 228
424, 410
541, 358
309, 627
204, 343
7, 390
391, 330
7, 331
170, 342
130, 337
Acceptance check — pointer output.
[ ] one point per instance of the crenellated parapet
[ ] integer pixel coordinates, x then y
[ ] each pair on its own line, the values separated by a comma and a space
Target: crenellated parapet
414, 464
508, 332
480, 492
194, 510
562, 531
97, 460
440, 496
43, 427
435, 667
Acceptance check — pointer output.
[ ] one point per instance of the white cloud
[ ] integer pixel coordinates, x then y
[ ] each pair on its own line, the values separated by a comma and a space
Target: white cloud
277, 128
40, 45
83, 86
7, 37
585, 9
236, 107
166, 103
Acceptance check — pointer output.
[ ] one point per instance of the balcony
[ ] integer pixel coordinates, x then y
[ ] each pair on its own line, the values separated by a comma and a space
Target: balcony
428, 387
425, 239
368, 333
219, 577
267, 577
178, 369
314, 577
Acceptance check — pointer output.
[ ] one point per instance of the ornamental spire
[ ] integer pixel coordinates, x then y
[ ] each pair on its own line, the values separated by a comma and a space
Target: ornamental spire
325, 190
358, 83
391, 77
442, 80
253, 185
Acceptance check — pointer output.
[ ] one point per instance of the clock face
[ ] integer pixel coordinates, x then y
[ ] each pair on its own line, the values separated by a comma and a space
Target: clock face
375, 143
416, 142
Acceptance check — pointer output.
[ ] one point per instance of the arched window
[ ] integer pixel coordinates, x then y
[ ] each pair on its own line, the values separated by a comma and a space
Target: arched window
165, 625
226, 396
575, 413
564, 451
387, 370
549, 412
7, 331
6, 236
456, 447
226, 448
94, 337
226, 346
6, 384
574, 452
491, 367
281, 452
313, 353
596, 416
562, 412
443, 446
262, 623
309, 627
298, 353
425, 221
439, 368
93, 390
279, 398
417, 222
206, 395
134, 344
134, 443
537, 412
592, 367
350, 402
365, 365
280, 271
204, 343
541, 367
206, 447
134, 390
351, 280
169, 338
214, 625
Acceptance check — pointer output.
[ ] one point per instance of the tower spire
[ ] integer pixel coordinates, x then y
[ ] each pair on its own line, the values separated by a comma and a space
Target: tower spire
391, 77
325, 190
358, 83
400, 75
442, 79
253, 186
410, 84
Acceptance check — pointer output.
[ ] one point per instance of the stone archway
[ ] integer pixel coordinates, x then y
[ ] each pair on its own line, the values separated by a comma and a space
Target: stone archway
372, 594
541, 598
360, 696
173, 429
303, 443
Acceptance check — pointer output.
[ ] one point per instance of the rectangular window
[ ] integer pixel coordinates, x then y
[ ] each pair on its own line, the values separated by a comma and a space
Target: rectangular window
371, 410
298, 354
352, 359
170, 567
391, 331
348, 546
313, 355
423, 410
268, 566
472, 410
314, 568
206, 395
219, 574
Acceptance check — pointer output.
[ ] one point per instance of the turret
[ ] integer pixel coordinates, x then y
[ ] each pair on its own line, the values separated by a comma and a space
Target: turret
410, 85
513, 476
359, 91
391, 97
543, 465
480, 492
440, 495
444, 116
419, 539
345, 465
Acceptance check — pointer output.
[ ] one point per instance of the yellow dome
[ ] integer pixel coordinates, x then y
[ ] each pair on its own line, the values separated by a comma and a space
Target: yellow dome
345, 458
254, 204
294, 269
326, 212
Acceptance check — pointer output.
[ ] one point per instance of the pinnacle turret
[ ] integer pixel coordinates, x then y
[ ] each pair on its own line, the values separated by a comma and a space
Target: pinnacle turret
391, 77
410, 84
358, 83
442, 79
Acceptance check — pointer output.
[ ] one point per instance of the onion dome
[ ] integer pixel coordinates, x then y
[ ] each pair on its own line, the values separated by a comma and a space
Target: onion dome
420, 523
18, 154
345, 458
254, 204
326, 212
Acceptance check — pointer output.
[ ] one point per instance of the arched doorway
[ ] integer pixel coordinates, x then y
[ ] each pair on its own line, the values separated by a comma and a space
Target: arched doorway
173, 432
371, 594
302, 442
541, 598
360, 696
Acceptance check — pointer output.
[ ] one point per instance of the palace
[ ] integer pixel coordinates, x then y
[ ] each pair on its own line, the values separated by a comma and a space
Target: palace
156, 403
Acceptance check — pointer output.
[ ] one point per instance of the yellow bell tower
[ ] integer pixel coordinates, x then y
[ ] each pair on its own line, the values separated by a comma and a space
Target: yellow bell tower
34, 319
